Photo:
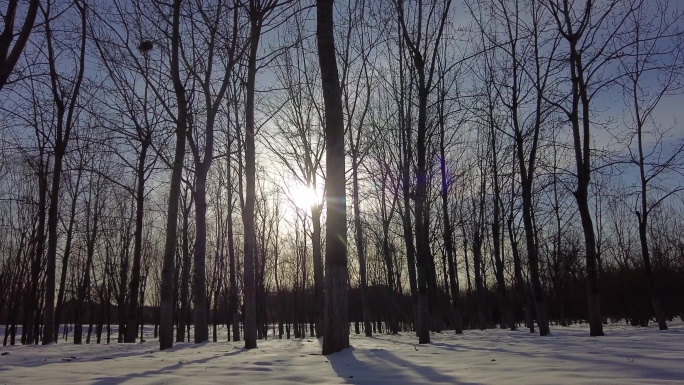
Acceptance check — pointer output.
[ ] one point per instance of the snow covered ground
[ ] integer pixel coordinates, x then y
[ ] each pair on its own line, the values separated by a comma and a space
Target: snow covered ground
626, 355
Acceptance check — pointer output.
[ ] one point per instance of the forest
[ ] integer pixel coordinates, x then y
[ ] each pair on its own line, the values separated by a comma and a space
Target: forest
294, 169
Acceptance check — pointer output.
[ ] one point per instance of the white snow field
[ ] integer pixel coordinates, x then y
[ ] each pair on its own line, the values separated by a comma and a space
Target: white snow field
626, 355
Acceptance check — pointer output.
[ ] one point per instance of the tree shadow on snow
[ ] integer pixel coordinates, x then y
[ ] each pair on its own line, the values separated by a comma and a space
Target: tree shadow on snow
380, 366
115, 380
631, 365
91, 353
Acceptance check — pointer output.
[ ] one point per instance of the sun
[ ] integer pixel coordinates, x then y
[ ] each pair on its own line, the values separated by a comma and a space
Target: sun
305, 197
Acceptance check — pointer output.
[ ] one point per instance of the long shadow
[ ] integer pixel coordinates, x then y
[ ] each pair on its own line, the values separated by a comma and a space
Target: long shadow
115, 380
374, 369
126, 351
493, 350
631, 365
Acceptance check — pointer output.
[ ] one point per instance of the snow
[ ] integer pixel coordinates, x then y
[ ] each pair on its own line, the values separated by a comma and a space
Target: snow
626, 355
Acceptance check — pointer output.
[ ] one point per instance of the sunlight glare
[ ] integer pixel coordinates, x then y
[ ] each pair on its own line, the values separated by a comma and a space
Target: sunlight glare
305, 197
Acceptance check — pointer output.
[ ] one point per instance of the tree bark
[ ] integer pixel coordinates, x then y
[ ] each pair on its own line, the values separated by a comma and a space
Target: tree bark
319, 295
199, 284
67, 252
132, 314
167, 284
250, 186
360, 250
407, 227
336, 335
233, 291
580, 120
91, 238
449, 241
184, 313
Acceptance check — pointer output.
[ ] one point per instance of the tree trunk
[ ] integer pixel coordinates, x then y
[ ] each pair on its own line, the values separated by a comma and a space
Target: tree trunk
481, 299
581, 129
360, 250
131, 322
250, 186
167, 284
184, 313
448, 234
123, 279
53, 219
65, 123
199, 284
533, 259
318, 268
233, 315
91, 238
336, 331
67, 252
408, 229
433, 288
37, 261
504, 306
233, 294
643, 239
595, 321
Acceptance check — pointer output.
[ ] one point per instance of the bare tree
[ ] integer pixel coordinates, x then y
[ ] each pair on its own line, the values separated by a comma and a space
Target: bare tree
656, 53
527, 154
94, 207
403, 93
187, 202
336, 334
181, 120
385, 174
9, 54
219, 63
259, 13
424, 56
357, 88
142, 122
232, 278
66, 118
75, 189
447, 180
589, 30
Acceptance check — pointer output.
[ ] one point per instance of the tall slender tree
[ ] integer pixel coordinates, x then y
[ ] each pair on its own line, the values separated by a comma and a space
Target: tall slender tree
357, 89
589, 31
66, 108
181, 121
655, 53
422, 46
213, 79
259, 12
336, 334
